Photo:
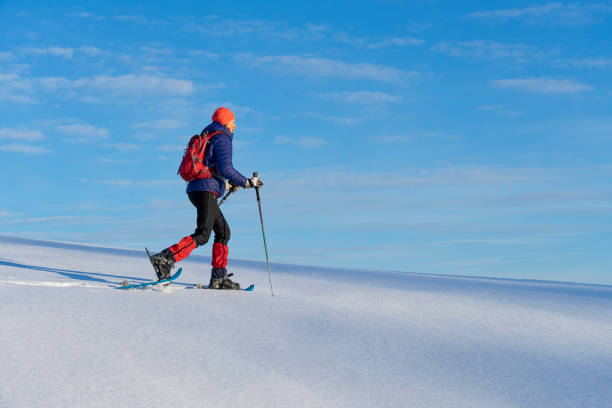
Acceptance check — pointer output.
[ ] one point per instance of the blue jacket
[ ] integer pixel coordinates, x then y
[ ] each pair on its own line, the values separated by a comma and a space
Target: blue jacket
218, 158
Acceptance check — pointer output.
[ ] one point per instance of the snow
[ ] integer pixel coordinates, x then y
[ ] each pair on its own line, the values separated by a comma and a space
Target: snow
329, 338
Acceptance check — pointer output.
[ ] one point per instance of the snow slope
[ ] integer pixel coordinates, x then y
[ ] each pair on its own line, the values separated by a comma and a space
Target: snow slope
330, 338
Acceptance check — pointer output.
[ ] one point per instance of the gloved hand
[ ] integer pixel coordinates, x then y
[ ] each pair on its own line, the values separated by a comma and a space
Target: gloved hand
231, 186
254, 182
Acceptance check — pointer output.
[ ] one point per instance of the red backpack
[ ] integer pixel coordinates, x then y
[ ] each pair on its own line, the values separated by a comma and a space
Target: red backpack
192, 166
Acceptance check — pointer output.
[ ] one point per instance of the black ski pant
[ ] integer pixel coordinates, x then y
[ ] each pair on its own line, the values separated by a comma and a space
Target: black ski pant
210, 218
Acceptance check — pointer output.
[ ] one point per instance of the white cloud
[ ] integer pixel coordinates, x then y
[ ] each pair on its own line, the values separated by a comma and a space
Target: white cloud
570, 13
66, 52
5, 56
85, 130
20, 134
125, 84
53, 51
543, 85
500, 109
137, 84
221, 27
396, 42
416, 27
14, 89
488, 49
170, 148
161, 124
112, 161
84, 14
122, 146
93, 51
341, 120
409, 137
455, 176
205, 54
61, 219
7, 213
11, 97
520, 12
23, 148
589, 62
392, 138
128, 183
323, 67
366, 97
306, 142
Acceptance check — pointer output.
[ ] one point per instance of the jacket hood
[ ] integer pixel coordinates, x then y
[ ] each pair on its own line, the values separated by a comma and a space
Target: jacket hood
218, 127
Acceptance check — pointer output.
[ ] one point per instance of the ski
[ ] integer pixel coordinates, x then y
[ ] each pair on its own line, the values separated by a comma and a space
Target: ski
125, 285
202, 286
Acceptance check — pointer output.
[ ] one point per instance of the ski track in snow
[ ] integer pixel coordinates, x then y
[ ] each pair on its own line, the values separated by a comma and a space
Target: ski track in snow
330, 338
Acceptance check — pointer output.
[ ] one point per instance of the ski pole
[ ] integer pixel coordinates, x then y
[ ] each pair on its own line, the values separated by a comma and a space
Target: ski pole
232, 189
264, 234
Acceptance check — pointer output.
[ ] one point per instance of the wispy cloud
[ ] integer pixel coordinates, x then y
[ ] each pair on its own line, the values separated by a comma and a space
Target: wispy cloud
392, 139
127, 85
84, 15
307, 142
205, 54
396, 42
365, 97
134, 19
488, 49
340, 120
54, 51
129, 183
14, 89
23, 148
171, 148
112, 160
409, 137
7, 213
308, 32
93, 51
137, 84
122, 146
587, 62
324, 67
501, 110
543, 85
65, 52
563, 13
418, 27
21, 134
61, 219
162, 124
513, 240
216, 26
84, 131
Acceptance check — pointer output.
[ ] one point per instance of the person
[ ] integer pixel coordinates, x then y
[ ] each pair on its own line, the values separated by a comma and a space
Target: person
203, 194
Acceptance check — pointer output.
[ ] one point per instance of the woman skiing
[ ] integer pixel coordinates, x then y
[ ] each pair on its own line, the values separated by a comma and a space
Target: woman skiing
203, 194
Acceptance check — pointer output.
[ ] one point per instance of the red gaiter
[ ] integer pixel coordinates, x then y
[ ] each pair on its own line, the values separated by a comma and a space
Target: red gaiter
183, 248
219, 255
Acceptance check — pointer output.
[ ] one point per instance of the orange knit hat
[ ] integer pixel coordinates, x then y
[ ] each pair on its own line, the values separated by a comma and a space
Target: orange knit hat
223, 116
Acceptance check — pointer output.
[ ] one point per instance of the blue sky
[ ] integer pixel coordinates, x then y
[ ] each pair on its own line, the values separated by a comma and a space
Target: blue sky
469, 138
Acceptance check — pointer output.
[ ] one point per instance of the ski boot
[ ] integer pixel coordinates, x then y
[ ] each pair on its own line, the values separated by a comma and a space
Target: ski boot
219, 279
163, 263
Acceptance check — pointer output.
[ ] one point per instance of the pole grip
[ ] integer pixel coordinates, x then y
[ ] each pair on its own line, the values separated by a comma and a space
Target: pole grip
256, 174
